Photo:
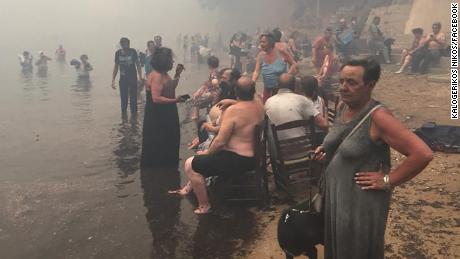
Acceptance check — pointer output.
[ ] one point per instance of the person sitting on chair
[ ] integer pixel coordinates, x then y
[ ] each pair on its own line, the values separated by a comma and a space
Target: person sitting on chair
232, 150
288, 106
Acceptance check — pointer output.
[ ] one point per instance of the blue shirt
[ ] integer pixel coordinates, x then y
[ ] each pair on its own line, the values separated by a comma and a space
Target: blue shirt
272, 72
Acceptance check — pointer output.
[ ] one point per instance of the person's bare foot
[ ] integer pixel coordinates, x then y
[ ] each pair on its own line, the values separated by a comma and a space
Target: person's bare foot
201, 210
194, 144
184, 191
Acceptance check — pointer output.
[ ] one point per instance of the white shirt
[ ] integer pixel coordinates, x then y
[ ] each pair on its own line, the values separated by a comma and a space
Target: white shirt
287, 106
319, 105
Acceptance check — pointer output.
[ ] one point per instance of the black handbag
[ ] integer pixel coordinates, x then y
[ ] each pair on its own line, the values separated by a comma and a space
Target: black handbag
300, 229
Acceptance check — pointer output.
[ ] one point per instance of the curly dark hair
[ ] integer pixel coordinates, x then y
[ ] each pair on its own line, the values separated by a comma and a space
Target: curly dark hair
417, 30
371, 67
162, 60
309, 85
213, 62
270, 38
277, 34
222, 71
235, 75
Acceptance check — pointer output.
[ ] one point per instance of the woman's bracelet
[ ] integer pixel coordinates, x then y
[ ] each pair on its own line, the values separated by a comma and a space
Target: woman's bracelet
386, 182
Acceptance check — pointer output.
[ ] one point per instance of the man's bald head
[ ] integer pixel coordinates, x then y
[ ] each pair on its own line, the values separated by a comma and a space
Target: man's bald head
287, 81
245, 89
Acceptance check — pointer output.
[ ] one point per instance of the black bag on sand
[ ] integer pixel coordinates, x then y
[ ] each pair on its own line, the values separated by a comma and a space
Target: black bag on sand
444, 138
300, 229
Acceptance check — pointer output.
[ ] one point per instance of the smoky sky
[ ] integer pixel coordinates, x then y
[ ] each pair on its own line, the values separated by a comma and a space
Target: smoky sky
32, 24
73, 22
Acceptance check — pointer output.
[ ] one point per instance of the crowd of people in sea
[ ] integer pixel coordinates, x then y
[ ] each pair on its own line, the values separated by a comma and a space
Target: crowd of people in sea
226, 109
26, 60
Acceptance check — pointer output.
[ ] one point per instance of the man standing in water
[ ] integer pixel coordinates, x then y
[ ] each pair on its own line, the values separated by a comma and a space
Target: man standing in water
26, 62
127, 61
42, 63
60, 54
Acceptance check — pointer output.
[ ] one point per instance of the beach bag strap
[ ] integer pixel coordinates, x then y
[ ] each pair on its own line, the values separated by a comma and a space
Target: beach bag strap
318, 200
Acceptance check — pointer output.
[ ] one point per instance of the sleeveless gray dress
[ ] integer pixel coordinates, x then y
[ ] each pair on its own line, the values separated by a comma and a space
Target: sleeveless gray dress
355, 219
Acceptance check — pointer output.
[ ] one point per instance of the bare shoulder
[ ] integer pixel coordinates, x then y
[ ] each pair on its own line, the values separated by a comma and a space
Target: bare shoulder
261, 54
384, 120
283, 49
154, 75
381, 114
258, 109
151, 75
232, 110
242, 108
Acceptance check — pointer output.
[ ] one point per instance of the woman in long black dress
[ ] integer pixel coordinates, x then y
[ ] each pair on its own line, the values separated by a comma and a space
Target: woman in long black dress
161, 133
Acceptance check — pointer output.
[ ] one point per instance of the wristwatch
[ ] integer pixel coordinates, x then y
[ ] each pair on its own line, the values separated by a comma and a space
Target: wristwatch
386, 182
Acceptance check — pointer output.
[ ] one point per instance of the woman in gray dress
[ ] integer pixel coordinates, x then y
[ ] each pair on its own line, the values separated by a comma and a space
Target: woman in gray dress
358, 177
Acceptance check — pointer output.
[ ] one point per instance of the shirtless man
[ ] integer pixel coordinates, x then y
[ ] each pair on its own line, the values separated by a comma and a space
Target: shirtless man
318, 48
232, 150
